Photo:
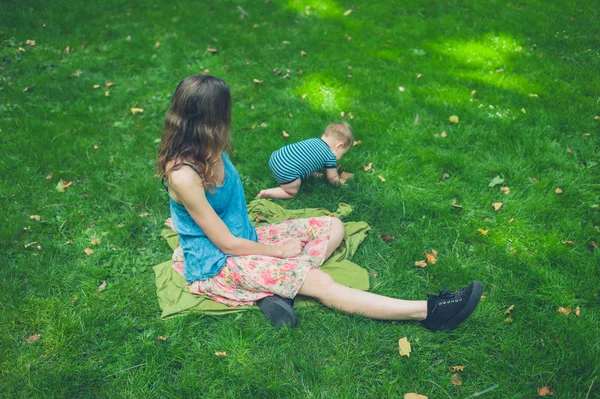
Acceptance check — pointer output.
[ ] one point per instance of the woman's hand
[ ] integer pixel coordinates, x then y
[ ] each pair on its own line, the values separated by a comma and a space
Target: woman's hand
293, 247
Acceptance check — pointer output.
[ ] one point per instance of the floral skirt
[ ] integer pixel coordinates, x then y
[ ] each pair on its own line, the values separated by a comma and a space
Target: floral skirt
246, 279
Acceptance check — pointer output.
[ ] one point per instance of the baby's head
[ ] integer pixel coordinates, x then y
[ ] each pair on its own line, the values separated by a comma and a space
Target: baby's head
340, 138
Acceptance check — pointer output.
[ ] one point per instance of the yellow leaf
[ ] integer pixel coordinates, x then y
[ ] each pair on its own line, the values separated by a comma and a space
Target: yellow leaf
30, 43
346, 176
95, 241
303, 53
212, 50
285, 134
453, 119
431, 257
405, 348
419, 75
35, 217
343, 114
347, 12
545, 390
368, 167
456, 379
33, 338
381, 178
505, 190
510, 309
454, 369
577, 311
157, 44
483, 232
357, 142
107, 93
565, 311
102, 286
109, 84
257, 81
304, 96
401, 88
558, 191
96, 86
421, 263
222, 354
88, 251
412, 395
136, 111
483, 298
497, 206
161, 338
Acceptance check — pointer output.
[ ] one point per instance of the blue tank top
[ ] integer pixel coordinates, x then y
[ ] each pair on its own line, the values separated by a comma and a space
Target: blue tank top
201, 259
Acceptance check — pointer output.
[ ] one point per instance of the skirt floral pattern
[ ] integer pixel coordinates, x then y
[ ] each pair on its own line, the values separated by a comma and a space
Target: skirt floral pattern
246, 279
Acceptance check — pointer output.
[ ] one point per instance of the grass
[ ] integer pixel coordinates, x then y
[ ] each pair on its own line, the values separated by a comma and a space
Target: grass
521, 76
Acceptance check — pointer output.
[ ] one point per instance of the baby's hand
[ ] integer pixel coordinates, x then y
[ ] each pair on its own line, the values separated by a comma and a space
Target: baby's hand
317, 174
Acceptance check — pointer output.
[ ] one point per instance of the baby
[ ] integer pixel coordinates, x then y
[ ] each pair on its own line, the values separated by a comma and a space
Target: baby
297, 161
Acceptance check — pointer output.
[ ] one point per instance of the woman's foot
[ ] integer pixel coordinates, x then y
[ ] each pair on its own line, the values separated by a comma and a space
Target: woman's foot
169, 224
448, 309
279, 311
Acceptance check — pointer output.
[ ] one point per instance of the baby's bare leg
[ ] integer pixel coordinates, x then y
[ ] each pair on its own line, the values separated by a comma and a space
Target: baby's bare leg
284, 191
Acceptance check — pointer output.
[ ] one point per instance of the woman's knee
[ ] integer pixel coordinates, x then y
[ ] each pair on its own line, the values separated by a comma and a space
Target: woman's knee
337, 230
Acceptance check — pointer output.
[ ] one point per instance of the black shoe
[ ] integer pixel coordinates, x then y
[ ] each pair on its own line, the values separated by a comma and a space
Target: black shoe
279, 311
448, 309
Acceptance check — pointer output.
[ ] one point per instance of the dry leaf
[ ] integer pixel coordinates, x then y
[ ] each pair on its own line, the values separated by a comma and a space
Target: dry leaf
387, 237
304, 96
33, 338
343, 114
570, 150
419, 75
212, 50
36, 217
346, 176
443, 134
257, 81
453, 119
357, 142
416, 121
347, 12
432, 257
454, 369
558, 191
285, 134
497, 206
136, 111
483, 298
68, 49
144, 214
565, 311
510, 309
381, 178
405, 348
157, 44
107, 93
95, 241
545, 390
161, 338
412, 395
577, 311
533, 95
96, 86
401, 88
88, 251
505, 190
508, 320
30, 43
569, 242
102, 286
109, 84
30, 244
483, 232
368, 167
303, 53
421, 263
48, 177
222, 354
455, 205
456, 379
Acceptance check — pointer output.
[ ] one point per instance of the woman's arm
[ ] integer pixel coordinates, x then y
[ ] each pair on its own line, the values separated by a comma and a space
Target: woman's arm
185, 187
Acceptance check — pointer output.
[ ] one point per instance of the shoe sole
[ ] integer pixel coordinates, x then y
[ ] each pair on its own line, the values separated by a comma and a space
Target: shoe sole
467, 310
279, 312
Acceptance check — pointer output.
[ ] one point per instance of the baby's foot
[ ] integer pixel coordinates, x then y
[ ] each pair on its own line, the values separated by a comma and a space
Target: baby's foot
169, 224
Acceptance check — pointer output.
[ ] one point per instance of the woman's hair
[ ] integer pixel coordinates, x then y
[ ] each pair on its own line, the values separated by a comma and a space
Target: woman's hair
340, 131
197, 126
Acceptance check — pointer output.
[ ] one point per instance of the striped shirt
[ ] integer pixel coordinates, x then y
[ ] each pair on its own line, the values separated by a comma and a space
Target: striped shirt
300, 160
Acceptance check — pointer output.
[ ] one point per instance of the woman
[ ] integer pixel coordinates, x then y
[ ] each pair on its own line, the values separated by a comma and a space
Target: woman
227, 259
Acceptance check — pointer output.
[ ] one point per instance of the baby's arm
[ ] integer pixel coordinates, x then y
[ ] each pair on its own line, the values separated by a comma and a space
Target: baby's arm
333, 177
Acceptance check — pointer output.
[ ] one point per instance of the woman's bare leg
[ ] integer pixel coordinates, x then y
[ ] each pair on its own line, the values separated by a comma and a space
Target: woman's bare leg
321, 286
284, 191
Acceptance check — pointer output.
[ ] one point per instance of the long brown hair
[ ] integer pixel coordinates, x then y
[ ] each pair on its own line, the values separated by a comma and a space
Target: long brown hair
197, 126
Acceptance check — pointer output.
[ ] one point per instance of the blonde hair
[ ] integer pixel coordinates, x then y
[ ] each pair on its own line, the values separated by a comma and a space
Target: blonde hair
340, 131
197, 126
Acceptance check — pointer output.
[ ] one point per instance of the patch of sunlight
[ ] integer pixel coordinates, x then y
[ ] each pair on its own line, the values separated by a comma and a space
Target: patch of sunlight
324, 93
323, 8
490, 51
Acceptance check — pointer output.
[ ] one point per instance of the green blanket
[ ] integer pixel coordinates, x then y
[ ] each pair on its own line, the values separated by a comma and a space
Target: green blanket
174, 298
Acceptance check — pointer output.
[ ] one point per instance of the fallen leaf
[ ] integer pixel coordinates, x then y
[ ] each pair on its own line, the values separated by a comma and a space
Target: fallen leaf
505, 190
419, 75
456, 379
497, 206
33, 338
343, 114
558, 191
431, 257
285, 42
96, 86
405, 348
88, 251
483, 232
30, 244
30, 43
453, 119
443, 134
347, 12
257, 81
508, 320
387, 237
76, 74
569, 242
421, 263
35, 217
304, 96
416, 121
577, 311
357, 142
455, 205
509, 309
160, 337
565, 311
533, 95
109, 84
74, 299
102, 286
303, 53
381, 178
107, 93
368, 167
48, 177
144, 214
212, 50
412, 395
222, 354
496, 181
483, 298
157, 44
534, 179
136, 111
401, 88
346, 176
570, 150
95, 241
454, 369
285, 134
545, 390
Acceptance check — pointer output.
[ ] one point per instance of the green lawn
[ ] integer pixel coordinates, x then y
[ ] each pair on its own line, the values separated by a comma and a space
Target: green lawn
523, 78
